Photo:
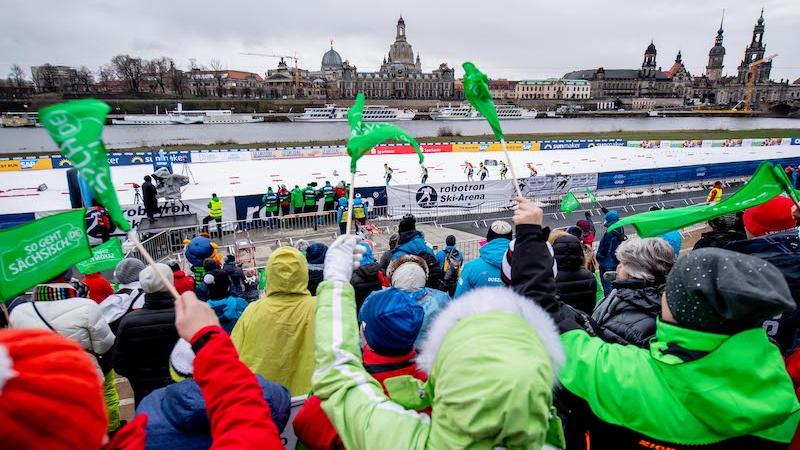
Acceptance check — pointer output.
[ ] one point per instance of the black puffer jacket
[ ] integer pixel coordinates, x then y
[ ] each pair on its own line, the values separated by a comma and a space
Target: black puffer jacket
145, 339
575, 285
718, 239
628, 314
365, 281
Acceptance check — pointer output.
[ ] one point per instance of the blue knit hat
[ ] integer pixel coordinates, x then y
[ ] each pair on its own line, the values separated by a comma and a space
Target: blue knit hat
392, 320
315, 253
611, 218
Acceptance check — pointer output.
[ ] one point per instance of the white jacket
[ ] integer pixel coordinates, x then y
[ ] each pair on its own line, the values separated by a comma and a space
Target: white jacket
78, 319
116, 305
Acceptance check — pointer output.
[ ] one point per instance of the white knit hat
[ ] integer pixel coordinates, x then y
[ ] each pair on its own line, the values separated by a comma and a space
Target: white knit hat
150, 280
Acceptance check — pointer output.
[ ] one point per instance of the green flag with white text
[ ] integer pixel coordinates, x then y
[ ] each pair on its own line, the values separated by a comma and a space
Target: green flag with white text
104, 257
767, 182
364, 136
569, 203
476, 90
39, 251
591, 195
77, 127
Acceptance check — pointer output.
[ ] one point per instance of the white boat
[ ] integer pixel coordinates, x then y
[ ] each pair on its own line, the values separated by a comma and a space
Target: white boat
187, 117
372, 113
467, 112
19, 119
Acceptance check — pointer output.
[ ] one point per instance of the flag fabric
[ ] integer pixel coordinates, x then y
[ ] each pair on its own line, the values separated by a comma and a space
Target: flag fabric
76, 127
569, 203
39, 251
104, 257
766, 183
591, 195
476, 90
364, 136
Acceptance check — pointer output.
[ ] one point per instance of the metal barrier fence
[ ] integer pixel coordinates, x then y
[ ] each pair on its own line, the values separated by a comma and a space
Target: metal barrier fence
470, 249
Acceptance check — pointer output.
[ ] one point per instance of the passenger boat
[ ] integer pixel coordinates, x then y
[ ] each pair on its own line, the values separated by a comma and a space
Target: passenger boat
372, 113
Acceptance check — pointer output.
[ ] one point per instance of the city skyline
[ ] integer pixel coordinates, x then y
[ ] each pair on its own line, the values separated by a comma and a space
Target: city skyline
536, 41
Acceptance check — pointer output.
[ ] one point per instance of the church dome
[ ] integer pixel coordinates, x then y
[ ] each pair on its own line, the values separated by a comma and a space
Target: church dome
651, 49
331, 60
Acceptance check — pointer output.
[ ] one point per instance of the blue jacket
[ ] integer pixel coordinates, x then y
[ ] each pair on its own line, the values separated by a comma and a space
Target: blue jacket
441, 255
176, 414
607, 249
411, 243
228, 310
484, 271
432, 301
341, 209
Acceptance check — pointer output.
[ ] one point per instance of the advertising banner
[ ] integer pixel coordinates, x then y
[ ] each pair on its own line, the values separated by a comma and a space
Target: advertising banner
466, 148
419, 199
262, 153
795, 141
645, 144
766, 142
132, 158
208, 156
16, 165
557, 184
727, 143
104, 257
401, 149
497, 147
574, 144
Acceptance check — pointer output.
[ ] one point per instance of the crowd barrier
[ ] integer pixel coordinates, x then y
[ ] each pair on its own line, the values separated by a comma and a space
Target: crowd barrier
158, 155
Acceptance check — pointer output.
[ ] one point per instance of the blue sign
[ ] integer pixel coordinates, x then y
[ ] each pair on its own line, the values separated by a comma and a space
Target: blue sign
128, 159
574, 144
12, 220
377, 194
160, 160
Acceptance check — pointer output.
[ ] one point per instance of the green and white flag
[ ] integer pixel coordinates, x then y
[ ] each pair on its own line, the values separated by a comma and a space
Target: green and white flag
364, 136
569, 203
76, 127
476, 90
104, 257
591, 195
39, 251
767, 182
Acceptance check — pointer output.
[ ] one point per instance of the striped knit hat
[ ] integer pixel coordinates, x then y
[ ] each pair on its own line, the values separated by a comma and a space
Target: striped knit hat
505, 269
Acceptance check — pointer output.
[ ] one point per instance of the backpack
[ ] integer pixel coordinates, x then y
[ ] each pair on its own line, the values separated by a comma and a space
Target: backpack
452, 265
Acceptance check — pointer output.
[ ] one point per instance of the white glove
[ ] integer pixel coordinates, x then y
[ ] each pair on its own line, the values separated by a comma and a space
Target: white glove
343, 256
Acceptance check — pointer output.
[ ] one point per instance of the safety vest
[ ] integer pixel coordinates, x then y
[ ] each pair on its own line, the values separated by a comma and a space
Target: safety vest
309, 196
344, 214
714, 196
358, 211
215, 208
327, 191
271, 201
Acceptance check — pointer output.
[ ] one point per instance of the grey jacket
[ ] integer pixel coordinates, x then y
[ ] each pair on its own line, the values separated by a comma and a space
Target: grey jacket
628, 314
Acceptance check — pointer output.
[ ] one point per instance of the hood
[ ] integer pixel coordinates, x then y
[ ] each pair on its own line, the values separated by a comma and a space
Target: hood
513, 339
343, 202
358, 201
184, 407
228, 308
368, 258
568, 253
315, 253
287, 272
720, 389
494, 251
610, 218
411, 243
674, 240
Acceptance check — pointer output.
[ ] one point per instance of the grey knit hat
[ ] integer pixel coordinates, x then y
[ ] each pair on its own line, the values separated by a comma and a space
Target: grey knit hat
721, 291
127, 270
150, 280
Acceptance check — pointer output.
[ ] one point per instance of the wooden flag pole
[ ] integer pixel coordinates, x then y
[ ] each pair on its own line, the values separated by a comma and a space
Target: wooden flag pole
350, 203
135, 239
511, 166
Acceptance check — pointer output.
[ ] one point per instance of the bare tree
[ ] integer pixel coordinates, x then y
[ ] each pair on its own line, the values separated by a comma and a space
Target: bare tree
44, 77
85, 79
219, 75
158, 70
130, 70
16, 76
178, 79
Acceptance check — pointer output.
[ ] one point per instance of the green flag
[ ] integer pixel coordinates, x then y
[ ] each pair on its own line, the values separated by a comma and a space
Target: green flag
364, 136
765, 184
104, 257
592, 198
569, 203
77, 128
41, 250
476, 89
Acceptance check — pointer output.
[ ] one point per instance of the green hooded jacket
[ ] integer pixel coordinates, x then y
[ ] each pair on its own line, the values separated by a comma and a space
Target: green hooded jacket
737, 386
490, 383
297, 197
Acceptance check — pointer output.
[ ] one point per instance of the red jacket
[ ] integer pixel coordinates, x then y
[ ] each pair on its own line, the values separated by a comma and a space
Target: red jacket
182, 282
793, 367
313, 428
339, 192
99, 287
240, 417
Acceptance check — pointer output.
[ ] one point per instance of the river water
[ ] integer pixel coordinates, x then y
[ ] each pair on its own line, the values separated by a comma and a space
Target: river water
126, 136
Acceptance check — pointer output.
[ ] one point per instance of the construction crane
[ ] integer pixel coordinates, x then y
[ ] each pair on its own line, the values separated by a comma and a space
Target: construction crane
752, 77
292, 57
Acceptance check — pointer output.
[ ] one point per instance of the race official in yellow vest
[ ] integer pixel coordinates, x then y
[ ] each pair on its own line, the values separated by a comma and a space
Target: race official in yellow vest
214, 213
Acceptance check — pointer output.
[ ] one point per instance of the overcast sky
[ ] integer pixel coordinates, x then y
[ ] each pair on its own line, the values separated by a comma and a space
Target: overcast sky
514, 39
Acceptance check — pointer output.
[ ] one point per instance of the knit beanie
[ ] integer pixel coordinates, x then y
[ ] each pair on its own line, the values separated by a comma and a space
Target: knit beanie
127, 270
218, 284
181, 361
408, 272
315, 253
499, 229
610, 218
721, 291
151, 282
774, 215
407, 223
51, 396
584, 225
210, 264
450, 240
391, 320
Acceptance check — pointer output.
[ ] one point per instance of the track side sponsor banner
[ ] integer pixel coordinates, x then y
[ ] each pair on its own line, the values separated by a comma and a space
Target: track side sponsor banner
795, 141
420, 199
559, 184
220, 156
16, 165
400, 149
574, 144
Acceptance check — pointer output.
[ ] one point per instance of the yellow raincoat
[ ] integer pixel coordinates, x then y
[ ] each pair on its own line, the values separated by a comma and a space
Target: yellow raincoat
275, 335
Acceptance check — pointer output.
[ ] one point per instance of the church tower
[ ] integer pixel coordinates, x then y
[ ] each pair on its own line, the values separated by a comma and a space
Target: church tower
754, 52
649, 62
716, 55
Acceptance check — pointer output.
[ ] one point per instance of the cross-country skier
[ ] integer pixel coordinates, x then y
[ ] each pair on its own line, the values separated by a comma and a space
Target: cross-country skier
503, 170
